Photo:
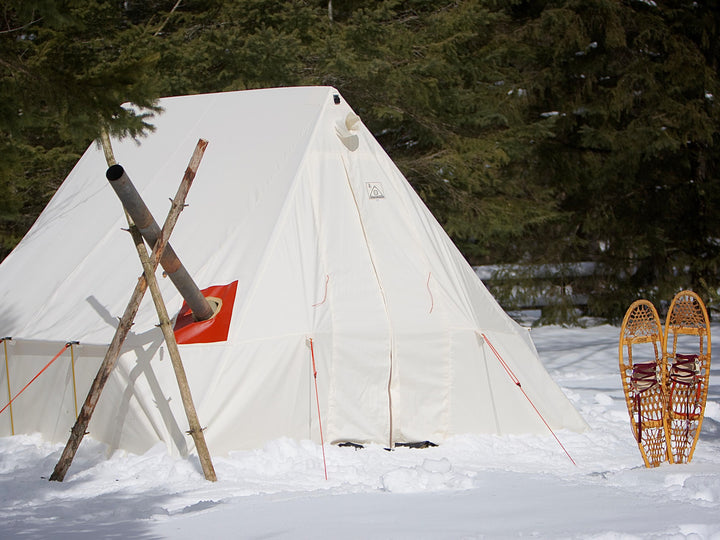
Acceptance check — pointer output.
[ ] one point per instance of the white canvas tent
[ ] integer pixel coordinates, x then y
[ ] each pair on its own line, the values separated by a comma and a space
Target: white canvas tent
296, 201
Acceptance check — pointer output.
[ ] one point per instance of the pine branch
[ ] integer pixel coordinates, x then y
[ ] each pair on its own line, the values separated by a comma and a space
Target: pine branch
13, 67
167, 18
19, 28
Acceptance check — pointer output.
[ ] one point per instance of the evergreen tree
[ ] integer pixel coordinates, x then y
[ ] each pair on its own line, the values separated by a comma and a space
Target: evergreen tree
431, 81
632, 154
537, 132
66, 69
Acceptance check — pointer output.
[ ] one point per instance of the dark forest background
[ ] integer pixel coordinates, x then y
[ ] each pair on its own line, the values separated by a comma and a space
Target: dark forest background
540, 134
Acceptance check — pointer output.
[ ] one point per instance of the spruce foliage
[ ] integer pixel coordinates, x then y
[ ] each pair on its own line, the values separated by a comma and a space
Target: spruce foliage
539, 133
633, 150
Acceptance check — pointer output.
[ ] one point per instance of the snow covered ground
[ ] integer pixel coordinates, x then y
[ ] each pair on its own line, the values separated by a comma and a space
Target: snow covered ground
470, 487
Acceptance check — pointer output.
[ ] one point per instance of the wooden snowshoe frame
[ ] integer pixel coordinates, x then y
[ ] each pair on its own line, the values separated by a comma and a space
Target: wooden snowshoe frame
688, 373
643, 372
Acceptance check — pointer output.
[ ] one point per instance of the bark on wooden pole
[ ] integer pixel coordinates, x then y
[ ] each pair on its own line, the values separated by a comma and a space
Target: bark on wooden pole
79, 429
196, 430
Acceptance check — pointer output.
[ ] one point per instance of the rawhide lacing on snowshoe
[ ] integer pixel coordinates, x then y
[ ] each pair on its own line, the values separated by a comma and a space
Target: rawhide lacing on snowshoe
644, 377
684, 372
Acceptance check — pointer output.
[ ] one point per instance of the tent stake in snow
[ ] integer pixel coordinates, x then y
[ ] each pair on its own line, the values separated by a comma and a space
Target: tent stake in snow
79, 429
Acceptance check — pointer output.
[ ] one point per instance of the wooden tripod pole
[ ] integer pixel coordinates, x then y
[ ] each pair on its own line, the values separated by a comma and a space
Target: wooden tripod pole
80, 428
165, 325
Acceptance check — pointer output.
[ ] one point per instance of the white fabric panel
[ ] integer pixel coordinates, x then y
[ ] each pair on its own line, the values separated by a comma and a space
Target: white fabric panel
420, 361
414, 269
475, 389
359, 372
140, 404
259, 395
541, 390
48, 405
78, 259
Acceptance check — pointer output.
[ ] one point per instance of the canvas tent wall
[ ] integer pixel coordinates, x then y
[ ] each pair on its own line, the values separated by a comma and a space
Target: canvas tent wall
328, 242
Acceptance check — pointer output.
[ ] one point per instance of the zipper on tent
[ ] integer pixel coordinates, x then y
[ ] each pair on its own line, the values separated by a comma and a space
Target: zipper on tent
384, 299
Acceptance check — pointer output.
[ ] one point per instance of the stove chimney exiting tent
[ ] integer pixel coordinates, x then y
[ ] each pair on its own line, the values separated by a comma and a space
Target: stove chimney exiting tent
202, 309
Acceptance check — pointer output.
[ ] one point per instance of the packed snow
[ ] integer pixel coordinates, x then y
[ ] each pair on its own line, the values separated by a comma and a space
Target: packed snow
472, 486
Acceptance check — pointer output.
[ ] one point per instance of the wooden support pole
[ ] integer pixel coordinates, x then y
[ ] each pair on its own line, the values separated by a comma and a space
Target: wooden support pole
165, 325
7, 380
126, 321
196, 430
72, 368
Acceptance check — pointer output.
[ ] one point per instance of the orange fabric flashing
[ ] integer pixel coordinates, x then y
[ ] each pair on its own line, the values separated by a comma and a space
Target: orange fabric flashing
188, 330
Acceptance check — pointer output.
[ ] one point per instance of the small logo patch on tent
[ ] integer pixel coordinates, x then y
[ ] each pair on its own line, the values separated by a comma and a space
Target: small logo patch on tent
375, 190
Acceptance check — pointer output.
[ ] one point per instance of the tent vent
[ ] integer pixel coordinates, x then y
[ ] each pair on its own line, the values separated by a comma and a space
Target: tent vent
336, 99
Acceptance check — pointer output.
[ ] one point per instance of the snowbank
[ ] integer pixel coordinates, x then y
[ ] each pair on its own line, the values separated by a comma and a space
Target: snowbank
471, 487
